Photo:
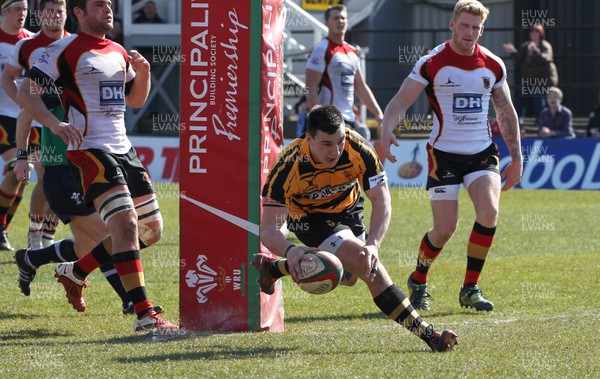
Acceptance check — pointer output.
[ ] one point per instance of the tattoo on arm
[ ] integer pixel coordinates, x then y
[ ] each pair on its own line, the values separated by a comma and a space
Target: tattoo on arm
507, 120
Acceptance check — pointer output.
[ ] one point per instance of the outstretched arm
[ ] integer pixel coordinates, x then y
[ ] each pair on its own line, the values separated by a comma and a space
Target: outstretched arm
395, 111
509, 127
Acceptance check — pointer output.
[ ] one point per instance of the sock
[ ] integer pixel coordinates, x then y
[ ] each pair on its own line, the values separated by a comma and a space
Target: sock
479, 245
394, 303
49, 230
15, 205
91, 261
427, 254
6, 201
129, 267
279, 268
61, 251
114, 280
35, 223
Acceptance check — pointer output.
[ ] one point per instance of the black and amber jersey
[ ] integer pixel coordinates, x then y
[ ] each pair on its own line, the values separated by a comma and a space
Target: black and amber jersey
306, 187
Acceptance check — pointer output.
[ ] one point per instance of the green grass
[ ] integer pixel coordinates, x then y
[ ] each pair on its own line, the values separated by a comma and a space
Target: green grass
542, 275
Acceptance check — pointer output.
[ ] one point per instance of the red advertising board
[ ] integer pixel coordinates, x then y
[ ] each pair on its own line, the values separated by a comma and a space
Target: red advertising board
220, 165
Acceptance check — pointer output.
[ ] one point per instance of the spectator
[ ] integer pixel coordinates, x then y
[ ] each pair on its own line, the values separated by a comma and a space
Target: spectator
593, 128
148, 15
538, 70
333, 73
556, 120
302, 111
116, 34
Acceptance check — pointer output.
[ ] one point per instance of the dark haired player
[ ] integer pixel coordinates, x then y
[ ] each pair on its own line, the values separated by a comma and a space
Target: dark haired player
315, 185
99, 78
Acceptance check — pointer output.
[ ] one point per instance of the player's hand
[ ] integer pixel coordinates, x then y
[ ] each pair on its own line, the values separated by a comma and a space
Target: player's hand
512, 173
371, 253
138, 62
294, 257
68, 133
21, 170
387, 139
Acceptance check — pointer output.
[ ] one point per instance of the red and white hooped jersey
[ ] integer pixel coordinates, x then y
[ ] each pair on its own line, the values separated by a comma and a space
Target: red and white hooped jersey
91, 75
459, 91
339, 64
27, 52
7, 43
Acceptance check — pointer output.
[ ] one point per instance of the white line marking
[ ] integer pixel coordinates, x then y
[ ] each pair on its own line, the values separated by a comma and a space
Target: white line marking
244, 224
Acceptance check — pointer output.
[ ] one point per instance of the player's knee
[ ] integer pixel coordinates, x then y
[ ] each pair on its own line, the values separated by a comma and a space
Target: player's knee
151, 231
9, 168
443, 233
117, 211
488, 215
150, 223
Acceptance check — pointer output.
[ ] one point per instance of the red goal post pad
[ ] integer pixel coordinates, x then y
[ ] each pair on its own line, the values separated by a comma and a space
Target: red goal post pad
231, 112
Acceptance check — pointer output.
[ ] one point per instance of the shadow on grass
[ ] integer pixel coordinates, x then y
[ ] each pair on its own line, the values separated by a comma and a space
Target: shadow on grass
377, 315
20, 316
215, 353
19, 336
160, 336
363, 316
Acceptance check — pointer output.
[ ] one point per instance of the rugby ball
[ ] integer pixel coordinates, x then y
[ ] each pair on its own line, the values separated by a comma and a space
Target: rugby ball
321, 274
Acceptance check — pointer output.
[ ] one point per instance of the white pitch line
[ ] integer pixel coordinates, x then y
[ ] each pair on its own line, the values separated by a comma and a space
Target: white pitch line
244, 224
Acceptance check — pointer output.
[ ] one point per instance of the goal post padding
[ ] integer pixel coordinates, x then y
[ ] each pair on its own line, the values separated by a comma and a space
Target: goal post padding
231, 131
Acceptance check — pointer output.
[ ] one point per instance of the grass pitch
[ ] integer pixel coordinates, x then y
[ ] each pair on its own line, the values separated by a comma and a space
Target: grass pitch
542, 275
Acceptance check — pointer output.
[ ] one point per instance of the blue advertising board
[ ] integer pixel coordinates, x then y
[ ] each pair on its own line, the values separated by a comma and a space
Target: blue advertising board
550, 163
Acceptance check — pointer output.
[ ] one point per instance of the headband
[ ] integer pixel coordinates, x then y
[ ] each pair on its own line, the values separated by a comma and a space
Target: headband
8, 3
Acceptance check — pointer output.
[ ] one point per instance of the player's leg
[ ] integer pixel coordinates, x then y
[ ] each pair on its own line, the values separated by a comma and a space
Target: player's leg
38, 206
9, 191
150, 222
16, 203
49, 227
484, 188
64, 194
118, 210
389, 298
445, 222
87, 231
